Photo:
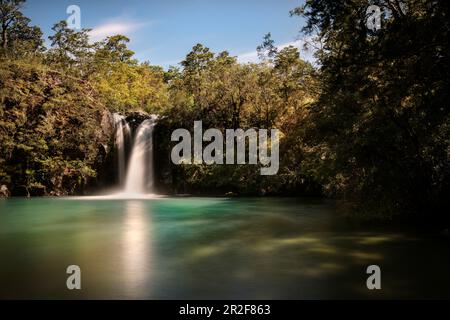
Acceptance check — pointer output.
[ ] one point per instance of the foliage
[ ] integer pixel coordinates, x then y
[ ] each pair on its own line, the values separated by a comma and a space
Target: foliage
379, 131
18, 38
49, 130
224, 94
71, 50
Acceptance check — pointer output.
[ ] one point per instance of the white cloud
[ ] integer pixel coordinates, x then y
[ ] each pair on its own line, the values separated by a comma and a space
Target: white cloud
248, 57
116, 26
308, 55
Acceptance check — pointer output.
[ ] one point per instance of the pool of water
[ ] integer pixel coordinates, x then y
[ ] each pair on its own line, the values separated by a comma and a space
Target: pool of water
209, 248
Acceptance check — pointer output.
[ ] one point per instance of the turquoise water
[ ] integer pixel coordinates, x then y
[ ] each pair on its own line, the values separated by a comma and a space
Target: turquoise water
209, 248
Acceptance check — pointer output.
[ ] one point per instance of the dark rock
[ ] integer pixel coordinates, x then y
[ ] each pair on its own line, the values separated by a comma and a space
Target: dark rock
135, 118
107, 124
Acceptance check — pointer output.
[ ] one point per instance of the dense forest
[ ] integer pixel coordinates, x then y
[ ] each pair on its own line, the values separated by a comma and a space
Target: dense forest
369, 124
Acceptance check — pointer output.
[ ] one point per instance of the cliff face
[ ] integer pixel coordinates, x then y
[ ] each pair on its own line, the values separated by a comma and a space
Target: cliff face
54, 132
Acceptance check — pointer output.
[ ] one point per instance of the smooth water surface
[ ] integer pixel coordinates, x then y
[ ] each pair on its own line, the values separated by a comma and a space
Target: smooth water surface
209, 248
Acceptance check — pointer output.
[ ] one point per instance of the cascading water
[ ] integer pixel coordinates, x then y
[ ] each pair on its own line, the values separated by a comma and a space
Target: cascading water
140, 175
122, 138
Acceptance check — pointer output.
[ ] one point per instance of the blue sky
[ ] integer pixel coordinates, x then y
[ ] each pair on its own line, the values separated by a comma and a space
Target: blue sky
163, 32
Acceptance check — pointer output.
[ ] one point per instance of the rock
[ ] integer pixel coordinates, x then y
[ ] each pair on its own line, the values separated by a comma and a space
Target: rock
4, 192
135, 118
107, 123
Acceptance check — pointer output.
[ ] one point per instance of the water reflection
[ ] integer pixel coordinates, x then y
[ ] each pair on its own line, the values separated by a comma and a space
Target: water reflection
197, 248
137, 252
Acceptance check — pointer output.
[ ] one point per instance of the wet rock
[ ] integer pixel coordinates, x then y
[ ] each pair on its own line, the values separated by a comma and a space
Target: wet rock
134, 119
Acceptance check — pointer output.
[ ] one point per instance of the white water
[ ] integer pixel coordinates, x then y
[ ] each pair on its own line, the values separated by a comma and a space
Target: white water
122, 137
140, 173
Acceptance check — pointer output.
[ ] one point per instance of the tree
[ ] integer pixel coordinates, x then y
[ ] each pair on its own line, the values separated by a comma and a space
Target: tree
380, 128
9, 13
115, 49
53, 130
17, 36
194, 65
70, 48
197, 59
293, 73
267, 51
225, 94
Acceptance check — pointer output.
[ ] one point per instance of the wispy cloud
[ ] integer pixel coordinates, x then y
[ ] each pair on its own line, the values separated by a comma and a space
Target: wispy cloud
248, 57
306, 54
116, 26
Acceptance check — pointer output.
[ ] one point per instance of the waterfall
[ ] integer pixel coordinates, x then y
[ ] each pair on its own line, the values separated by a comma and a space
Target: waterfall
122, 138
140, 175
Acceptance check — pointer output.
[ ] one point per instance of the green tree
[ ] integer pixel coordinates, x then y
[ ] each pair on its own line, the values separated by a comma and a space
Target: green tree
267, 50
54, 131
226, 94
17, 36
379, 132
123, 83
115, 49
70, 49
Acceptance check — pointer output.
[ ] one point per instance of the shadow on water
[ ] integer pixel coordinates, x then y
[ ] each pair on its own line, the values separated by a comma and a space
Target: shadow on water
191, 248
